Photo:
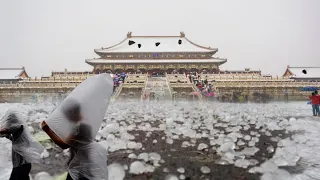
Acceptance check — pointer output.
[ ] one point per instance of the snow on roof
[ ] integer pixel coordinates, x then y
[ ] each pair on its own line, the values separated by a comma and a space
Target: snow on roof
10, 73
305, 72
156, 44
121, 61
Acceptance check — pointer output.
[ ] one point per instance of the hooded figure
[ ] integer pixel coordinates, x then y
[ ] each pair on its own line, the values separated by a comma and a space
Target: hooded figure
75, 123
88, 159
24, 149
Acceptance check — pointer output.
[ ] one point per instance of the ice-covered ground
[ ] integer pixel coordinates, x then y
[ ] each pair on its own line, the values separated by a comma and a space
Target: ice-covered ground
231, 131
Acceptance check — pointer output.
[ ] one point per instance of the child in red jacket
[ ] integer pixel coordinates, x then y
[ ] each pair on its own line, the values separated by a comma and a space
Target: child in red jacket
315, 104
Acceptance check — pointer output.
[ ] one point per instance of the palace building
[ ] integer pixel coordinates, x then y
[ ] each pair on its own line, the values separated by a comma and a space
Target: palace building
155, 54
171, 58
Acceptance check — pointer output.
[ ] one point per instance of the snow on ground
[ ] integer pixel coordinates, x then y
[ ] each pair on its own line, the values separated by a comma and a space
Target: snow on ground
233, 131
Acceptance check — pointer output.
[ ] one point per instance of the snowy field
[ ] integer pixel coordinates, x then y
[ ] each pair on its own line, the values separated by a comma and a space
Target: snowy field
192, 141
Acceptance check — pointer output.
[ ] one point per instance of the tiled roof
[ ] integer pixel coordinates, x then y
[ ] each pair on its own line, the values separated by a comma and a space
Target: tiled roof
156, 44
10, 73
305, 72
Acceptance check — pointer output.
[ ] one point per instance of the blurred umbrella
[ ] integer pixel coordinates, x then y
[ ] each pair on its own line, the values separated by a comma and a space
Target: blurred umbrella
309, 88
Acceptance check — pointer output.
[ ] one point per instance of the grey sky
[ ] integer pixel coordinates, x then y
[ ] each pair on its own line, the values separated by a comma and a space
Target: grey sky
260, 34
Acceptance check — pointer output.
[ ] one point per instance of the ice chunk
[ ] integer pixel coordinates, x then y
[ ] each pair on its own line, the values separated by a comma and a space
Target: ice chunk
284, 157
119, 144
251, 143
243, 163
240, 143
226, 146
171, 177
205, 169
292, 120
247, 137
144, 156
44, 154
134, 145
181, 170
270, 149
278, 174
182, 177
202, 146
110, 128
165, 170
268, 166
222, 162
250, 151
274, 139
169, 141
253, 162
132, 156
116, 171
229, 154
154, 156
154, 141
138, 167
185, 144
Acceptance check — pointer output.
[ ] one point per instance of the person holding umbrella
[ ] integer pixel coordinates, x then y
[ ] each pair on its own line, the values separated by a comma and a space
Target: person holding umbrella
315, 103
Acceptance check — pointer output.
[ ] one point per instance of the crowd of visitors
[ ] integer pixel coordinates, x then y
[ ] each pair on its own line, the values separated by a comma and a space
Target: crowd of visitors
118, 79
205, 88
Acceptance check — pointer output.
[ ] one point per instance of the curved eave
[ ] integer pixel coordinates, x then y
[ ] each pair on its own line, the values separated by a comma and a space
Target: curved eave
203, 47
110, 49
102, 53
150, 61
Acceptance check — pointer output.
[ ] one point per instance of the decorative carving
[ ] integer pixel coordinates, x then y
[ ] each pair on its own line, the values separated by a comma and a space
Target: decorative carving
141, 66
204, 66
130, 66
129, 35
156, 66
193, 66
182, 66
119, 66
107, 66
173, 66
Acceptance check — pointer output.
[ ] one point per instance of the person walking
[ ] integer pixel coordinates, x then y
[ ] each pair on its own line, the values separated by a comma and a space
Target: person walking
24, 149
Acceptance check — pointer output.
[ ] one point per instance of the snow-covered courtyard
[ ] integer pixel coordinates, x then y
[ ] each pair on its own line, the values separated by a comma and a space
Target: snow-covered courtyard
166, 140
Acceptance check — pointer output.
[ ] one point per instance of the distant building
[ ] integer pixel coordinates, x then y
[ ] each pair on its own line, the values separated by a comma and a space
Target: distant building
240, 72
12, 75
303, 73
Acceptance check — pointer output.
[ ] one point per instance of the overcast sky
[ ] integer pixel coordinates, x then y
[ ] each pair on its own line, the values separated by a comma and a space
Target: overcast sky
47, 36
